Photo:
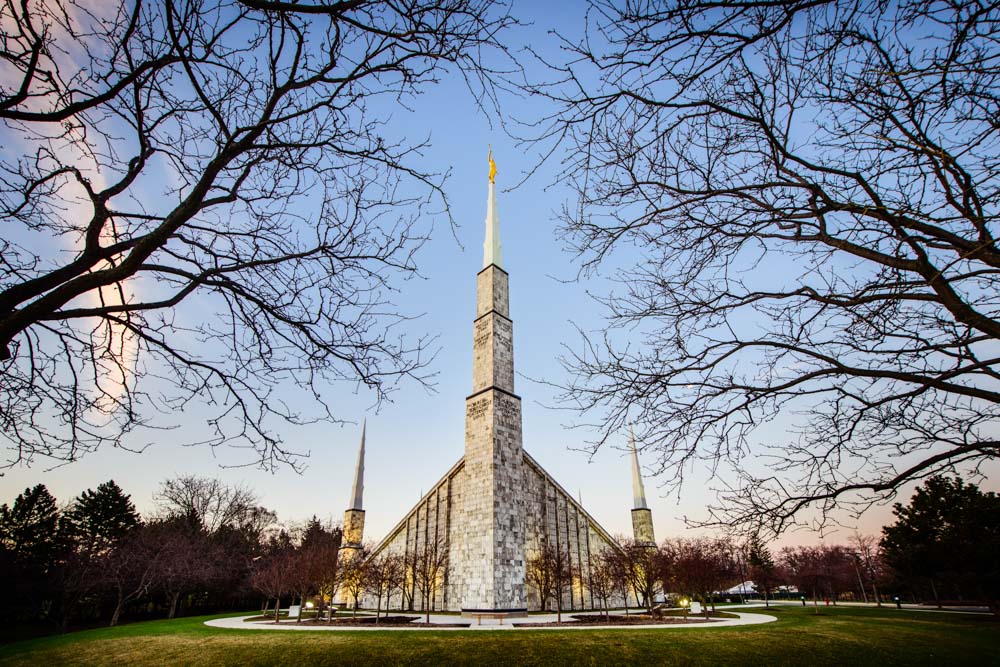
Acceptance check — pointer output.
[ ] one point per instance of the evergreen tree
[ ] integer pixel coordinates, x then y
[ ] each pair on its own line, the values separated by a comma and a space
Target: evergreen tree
313, 533
101, 518
949, 533
31, 545
29, 529
763, 570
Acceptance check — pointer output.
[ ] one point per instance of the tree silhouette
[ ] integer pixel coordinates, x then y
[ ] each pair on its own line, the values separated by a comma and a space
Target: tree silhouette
100, 518
31, 548
948, 533
763, 570
203, 203
797, 203
386, 575
429, 567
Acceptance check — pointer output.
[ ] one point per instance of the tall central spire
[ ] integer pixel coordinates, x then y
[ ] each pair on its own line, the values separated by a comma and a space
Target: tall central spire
489, 565
491, 245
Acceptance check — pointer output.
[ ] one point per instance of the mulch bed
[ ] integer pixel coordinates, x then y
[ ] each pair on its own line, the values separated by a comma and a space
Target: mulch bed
409, 621
577, 620
617, 619
366, 620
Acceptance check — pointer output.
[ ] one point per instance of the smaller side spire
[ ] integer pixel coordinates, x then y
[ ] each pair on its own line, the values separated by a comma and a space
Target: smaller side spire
354, 517
638, 490
642, 516
357, 491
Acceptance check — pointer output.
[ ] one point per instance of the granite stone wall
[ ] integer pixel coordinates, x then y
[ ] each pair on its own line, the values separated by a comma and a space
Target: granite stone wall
496, 507
642, 526
550, 513
354, 527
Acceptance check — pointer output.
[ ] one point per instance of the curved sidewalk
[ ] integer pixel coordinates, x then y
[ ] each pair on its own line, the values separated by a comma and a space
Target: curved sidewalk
237, 623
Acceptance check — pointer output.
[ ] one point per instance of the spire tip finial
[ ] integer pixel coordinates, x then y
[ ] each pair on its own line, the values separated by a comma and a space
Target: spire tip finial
491, 244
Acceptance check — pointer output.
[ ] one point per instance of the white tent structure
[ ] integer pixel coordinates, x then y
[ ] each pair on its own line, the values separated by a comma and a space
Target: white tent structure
744, 588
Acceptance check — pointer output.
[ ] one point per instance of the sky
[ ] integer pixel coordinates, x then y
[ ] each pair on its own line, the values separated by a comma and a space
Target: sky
415, 439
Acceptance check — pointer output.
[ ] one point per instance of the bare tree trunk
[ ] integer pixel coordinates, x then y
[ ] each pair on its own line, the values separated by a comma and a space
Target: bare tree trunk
861, 582
119, 606
743, 579
173, 604
937, 600
277, 606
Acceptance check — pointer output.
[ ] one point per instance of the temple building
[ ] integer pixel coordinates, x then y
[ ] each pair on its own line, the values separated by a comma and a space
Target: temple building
496, 506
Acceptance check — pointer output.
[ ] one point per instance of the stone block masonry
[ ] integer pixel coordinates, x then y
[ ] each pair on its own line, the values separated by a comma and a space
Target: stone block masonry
354, 527
642, 527
490, 560
496, 505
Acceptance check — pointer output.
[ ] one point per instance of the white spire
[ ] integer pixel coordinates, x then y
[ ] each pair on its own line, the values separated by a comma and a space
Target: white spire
638, 492
491, 246
359, 473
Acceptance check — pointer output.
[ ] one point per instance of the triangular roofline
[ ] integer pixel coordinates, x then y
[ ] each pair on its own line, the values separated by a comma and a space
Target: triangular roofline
530, 460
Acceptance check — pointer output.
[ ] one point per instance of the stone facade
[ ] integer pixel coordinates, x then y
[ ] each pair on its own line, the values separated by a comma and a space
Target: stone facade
496, 507
642, 526
550, 513
354, 527
490, 558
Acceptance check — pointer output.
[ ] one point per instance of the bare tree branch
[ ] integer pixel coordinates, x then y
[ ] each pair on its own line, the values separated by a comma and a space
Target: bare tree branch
203, 206
797, 202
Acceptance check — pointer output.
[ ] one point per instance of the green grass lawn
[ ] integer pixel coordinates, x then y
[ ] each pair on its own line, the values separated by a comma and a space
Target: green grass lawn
839, 636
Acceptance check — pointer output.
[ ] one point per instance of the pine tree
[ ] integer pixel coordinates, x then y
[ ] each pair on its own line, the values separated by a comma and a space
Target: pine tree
949, 533
763, 571
31, 546
101, 518
28, 529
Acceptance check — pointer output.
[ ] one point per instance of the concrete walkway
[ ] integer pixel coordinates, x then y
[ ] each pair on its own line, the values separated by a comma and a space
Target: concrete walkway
886, 606
237, 623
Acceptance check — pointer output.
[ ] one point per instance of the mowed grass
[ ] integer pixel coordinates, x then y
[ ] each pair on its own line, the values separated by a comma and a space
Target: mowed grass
838, 636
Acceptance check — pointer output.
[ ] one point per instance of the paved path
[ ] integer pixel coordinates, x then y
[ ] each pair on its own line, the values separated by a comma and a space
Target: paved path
491, 624
887, 606
511, 624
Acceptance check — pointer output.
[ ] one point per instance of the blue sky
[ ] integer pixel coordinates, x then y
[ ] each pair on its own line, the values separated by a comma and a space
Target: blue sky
416, 438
